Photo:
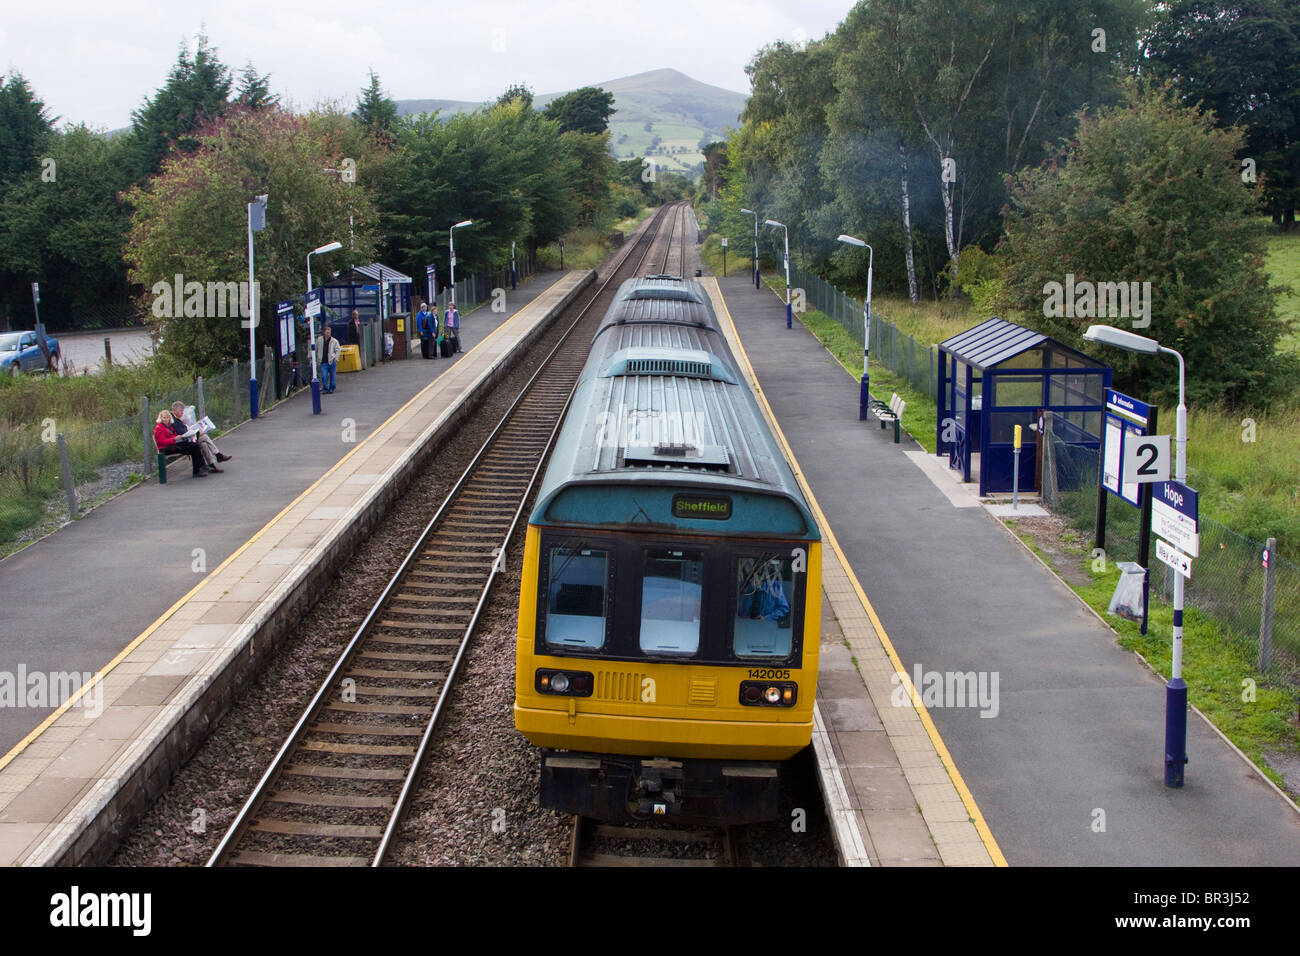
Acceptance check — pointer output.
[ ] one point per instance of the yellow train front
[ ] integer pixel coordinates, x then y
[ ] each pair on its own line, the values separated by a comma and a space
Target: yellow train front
666, 661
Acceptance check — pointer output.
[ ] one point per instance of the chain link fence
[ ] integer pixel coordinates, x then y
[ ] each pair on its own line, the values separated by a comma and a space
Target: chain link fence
903, 354
1228, 580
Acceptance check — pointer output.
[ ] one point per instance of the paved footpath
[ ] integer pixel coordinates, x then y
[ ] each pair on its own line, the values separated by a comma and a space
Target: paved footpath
1077, 738
74, 599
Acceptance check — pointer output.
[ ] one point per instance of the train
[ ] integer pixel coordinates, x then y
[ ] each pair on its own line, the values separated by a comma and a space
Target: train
669, 610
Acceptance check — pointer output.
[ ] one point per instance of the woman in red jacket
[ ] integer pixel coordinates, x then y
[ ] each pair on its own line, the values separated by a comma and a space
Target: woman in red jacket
168, 443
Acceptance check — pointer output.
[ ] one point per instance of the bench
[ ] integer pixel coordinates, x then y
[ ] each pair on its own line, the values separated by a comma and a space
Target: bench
893, 412
165, 458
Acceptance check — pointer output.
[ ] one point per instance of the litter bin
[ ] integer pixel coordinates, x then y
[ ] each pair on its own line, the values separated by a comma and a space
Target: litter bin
350, 358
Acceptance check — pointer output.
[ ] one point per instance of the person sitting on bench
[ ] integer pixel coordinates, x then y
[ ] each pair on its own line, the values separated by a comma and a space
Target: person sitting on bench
183, 419
165, 438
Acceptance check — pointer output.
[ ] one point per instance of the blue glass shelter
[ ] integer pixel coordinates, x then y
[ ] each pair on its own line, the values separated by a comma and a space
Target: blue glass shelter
998, 375
358, 288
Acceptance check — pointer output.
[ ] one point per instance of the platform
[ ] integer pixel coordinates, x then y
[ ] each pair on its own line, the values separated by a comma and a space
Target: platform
90, 767
1066, 762
892, 792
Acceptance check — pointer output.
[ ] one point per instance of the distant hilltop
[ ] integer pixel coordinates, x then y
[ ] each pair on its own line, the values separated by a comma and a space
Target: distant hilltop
664, 114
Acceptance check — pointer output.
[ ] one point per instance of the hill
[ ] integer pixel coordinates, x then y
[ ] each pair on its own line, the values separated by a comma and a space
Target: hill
664, 114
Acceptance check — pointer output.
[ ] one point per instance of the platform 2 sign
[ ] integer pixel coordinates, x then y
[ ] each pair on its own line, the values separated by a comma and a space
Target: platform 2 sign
1126, 419
1175, 516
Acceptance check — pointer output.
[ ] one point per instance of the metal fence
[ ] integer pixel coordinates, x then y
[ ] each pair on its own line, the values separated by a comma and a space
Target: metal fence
904, 355
1228, 581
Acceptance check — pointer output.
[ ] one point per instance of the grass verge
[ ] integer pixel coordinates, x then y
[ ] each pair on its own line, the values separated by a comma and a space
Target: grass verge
1254, 711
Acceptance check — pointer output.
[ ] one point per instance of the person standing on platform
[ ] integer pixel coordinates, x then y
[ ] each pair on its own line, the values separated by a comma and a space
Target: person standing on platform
329, 354
422, 327
356, 333
451, 327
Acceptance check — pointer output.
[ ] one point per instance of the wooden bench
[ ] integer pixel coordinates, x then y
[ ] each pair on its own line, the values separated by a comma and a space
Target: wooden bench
165, 458
893, 412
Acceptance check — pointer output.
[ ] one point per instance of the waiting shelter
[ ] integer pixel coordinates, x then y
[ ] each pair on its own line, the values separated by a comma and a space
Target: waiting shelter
997, 375
358, 288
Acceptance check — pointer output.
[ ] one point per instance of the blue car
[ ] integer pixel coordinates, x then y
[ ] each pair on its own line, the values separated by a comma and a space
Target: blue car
19, 353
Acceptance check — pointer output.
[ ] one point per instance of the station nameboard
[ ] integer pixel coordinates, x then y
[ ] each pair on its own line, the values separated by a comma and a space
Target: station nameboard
1175, 514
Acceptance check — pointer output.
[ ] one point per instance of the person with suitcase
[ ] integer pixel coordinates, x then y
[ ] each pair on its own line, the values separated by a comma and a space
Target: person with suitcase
451, 328
422, 327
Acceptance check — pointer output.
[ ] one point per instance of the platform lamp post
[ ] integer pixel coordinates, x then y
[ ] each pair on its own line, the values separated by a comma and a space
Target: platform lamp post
256, 223
1176, 689
864, 398
451, 242
789, 314
757, 281
311, 331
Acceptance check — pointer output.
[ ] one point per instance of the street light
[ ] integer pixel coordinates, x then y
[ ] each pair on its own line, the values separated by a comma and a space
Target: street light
864, 399
1176, 689
789, 315
311, 331
750, 212
451, 241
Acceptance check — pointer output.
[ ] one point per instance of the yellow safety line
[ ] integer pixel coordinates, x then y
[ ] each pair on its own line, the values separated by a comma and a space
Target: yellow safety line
122, 654
967, 798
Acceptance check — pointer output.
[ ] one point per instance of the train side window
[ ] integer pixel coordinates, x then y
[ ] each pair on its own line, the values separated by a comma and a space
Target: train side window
671, 601
576, 605
765, 591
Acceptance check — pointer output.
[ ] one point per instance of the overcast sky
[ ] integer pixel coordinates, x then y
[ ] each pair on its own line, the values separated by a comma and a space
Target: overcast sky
93, 61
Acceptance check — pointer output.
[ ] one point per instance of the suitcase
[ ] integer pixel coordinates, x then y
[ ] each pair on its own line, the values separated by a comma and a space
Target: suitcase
444, 347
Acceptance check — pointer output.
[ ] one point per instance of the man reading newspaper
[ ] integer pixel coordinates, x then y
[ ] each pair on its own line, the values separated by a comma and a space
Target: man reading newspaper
198, 429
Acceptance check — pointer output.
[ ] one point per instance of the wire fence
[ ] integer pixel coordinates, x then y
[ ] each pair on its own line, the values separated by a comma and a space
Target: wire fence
1228, 580
903, 354
49, 474
1229, 583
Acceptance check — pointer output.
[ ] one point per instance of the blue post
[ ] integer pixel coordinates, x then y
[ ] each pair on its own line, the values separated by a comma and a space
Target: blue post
789, 316
252, 398
315, 396
1175, 731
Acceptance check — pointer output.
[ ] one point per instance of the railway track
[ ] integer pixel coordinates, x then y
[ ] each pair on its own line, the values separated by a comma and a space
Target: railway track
335, 792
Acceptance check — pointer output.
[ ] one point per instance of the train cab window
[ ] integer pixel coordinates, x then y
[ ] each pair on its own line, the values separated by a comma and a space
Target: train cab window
671, 598
576, 597
764, 592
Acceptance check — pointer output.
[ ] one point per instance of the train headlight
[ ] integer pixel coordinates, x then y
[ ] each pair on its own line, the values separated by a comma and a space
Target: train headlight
568, 683
765, 694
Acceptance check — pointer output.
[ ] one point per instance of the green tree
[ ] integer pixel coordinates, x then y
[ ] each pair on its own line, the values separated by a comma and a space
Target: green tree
376, 111
197, 91
255, 90
191, 219
1242, 61
586, 110
518, 91
26, 131
66, 229
1150, 191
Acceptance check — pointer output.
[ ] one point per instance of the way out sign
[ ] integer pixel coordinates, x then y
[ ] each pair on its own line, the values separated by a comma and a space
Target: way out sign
1146, 459
1171, 556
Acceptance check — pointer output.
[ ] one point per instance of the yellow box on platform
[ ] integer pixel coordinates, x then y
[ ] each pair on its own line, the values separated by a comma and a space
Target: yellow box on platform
350, 358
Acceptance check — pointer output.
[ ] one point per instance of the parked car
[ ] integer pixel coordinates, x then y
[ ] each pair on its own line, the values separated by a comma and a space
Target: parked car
19, 352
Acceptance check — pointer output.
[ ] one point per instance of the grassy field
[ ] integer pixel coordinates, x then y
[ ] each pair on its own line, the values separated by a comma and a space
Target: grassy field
1283, 263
